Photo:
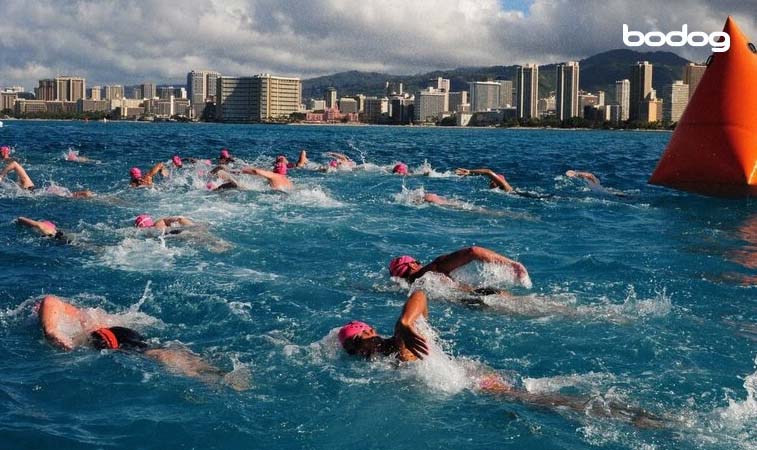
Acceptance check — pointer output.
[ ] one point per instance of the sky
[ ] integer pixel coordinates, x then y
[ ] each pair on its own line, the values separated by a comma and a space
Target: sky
134, 41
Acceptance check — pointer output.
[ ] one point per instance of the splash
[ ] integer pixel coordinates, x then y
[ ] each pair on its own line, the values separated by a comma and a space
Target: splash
481, 274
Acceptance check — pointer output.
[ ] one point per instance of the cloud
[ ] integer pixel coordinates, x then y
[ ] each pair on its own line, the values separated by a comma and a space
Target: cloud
134, 41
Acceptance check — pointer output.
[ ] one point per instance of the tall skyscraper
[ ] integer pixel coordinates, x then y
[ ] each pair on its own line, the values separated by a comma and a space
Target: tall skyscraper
259, 98
95, 93
201, 88
566, 99
330, 97
641, 87
430, 103
440, 84
149, 91
692, 73
675, 97
484, 95
455, 99
505, 93
623, 97
394, 88
46, 90
114, 92
69, 89
527, 90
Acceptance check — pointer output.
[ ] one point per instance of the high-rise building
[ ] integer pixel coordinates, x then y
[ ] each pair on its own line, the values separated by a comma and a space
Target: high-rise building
259, 98
114, 92
8, 100
315, 104
94, 93
430, 103
46, 90
402, 110
484, 95
455, 99
675, 97
527, 90
330, 97
505, 93
348, 105
566, 99
69, 89
394, 88
440, 84
149, 91
376, 109
622, 97
601, 98
641, 87
201, 89
650, 110
692, 74
360, 99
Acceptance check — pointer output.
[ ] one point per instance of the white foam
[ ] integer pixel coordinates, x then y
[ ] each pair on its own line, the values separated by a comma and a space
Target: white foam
477, 273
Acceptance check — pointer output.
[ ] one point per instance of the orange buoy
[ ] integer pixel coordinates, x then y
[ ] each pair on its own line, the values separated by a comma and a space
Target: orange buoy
713, 150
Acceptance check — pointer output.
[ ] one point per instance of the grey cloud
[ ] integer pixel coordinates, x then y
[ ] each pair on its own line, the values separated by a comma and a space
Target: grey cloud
133, 41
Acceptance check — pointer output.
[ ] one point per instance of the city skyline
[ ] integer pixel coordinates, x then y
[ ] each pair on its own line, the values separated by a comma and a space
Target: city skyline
135, 42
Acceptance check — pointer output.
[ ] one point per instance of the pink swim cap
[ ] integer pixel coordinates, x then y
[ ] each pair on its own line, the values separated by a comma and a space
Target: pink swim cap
351, 330
5, 150
143, 221
210, 186
400, 168
334, 163
71, 156
400, 266
135, 173
500, 176
176, 160
225, 154
280, 169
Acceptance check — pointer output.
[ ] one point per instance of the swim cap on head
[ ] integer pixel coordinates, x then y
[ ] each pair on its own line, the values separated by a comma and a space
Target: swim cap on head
500, 176
103, 338
400, 168
351, 330
210, 186
280, 169
334, 163
281, 158
143, 221
225, 154
176, 160
5, 150
135, 173
400, 266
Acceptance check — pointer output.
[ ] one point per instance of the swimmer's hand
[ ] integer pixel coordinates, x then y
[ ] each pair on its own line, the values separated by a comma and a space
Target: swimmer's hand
462, 172
409, 338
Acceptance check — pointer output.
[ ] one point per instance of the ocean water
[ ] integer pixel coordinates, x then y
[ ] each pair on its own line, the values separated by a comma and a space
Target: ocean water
638, 295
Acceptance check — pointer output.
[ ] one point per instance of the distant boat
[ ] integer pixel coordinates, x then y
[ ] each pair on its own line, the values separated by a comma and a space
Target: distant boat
1, 124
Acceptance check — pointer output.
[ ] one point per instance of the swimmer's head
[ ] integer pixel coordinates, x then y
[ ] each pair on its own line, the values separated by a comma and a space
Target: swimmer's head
281, 158
5, 151
225, 154
359, 338
334, 163
71, 156
403, 266
135, 173
117, 338
280, 168
176, 160
400, 168
143, 221
49, 224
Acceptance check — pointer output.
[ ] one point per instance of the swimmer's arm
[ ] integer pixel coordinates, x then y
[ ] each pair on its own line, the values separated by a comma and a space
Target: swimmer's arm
404, 330
340, 156
588, 176
37, 225
179, 220
159, 167
501, 183
260, 172
303, 160
447, 263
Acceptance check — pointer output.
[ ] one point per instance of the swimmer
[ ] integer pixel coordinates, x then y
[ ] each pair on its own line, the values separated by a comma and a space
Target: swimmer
340, 159
588, 176
23, 178
496, 180
400, 169
74, 156
137, 180
277, 179
408, 344
45, 228
68, 327
145, 221
5, 153
302, 161
225, 157
177, 162
410, 269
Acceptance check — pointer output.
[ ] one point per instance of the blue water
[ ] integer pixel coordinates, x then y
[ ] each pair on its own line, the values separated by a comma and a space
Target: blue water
640, 294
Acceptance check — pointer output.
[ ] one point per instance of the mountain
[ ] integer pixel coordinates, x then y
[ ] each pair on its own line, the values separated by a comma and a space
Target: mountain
597, 72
